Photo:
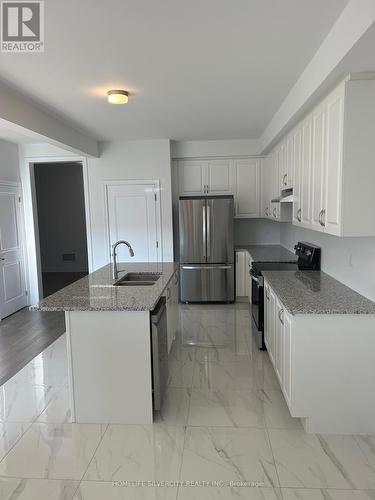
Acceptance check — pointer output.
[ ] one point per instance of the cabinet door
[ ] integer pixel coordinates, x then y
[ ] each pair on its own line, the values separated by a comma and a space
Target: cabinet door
247, 188
249, 283
306, 172
297, 143
279, 341
267, 186
289, 170
276, 182
271, 324
283, 166
240, 274
220, 177
287, 359
318, 165
266, 317
333, 176
192, 177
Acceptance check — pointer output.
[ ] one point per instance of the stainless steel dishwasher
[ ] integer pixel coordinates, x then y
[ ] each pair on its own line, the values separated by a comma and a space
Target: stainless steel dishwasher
159, 346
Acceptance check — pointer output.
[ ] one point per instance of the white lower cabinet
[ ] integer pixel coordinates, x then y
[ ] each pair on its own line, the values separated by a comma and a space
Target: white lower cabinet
325, 366
249, 262
240, 273
243, 279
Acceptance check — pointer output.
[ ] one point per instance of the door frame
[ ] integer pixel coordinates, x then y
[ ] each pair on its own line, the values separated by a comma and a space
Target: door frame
33, 261
16, 184
133, 182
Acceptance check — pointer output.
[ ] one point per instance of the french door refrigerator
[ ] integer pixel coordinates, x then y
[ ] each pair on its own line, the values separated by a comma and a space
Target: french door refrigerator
206, 249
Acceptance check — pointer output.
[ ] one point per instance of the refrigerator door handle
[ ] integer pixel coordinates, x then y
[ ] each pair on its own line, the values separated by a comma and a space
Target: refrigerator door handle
208, 231
207, 267
204, 231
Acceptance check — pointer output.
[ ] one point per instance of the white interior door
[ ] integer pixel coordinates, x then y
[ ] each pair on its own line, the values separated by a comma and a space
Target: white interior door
132, 216
12, 267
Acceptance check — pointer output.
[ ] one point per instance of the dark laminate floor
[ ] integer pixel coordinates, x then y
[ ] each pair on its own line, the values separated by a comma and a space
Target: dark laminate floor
24, 335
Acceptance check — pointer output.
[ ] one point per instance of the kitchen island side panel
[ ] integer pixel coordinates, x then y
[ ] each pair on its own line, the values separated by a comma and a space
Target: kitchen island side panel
110, 366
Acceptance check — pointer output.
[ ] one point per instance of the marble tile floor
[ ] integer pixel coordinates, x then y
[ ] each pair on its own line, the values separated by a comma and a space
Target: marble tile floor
224, 431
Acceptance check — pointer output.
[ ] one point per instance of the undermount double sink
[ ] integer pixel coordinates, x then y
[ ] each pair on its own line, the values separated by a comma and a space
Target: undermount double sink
138, 279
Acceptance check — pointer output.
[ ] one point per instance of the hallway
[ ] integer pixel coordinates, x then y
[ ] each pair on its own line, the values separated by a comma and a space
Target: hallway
24, 335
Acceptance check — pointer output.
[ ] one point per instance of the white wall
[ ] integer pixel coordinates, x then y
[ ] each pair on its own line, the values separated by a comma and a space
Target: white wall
349, 260
324, 69
129, 160
196, 149
9, 162
256, 232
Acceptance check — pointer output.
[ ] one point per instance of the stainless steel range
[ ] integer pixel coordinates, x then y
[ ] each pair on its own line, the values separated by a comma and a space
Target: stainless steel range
308, 259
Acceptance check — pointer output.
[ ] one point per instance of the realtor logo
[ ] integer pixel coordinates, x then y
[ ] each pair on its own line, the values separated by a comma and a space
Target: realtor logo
22, 26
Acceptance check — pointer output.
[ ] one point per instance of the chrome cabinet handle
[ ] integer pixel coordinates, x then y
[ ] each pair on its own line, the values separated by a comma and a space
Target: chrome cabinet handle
281, 316
2, 258
284, 179
274, 212
323, 220
299, 212
267, 294
267, 212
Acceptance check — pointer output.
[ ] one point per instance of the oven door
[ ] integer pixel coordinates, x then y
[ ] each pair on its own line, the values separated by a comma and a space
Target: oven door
257, 299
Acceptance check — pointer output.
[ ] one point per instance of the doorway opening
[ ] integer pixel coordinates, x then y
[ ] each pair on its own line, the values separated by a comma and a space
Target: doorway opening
61, 224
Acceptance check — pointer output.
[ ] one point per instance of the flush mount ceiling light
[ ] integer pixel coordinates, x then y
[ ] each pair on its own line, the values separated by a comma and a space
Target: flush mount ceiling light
118, 96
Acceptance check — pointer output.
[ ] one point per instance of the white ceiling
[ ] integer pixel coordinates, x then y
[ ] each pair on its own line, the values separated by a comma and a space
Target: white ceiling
196, 69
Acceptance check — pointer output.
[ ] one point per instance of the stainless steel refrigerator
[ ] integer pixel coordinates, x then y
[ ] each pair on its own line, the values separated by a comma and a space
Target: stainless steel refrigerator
206, 249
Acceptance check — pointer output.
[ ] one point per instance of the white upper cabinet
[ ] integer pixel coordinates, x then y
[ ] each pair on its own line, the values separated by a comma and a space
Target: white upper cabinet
238, 177
328, 159
332, 182
318, 161
271, 187
338, 159
297, 170
193, 177
286, 167
220, 177
305, 194
247, 192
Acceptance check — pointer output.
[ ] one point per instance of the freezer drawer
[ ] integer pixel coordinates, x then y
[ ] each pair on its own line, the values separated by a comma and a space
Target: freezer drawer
207, 283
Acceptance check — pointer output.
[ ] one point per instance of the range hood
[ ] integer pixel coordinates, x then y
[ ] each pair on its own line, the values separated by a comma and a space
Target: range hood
285, 197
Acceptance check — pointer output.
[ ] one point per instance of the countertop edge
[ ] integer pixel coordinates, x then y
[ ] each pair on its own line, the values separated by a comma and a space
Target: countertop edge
144, 308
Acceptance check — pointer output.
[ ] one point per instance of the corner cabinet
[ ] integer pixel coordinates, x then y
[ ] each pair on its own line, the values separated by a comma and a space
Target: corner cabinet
312, 354
247, 188
239, 177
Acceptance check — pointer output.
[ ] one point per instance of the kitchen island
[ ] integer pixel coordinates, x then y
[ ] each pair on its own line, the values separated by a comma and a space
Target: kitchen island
109, 344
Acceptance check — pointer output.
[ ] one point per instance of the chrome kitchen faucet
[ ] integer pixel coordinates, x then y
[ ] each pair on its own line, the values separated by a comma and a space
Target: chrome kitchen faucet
114, 247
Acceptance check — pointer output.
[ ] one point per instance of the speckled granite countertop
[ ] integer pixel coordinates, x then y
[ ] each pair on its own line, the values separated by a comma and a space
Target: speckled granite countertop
268, 253
314, 292
96, 292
